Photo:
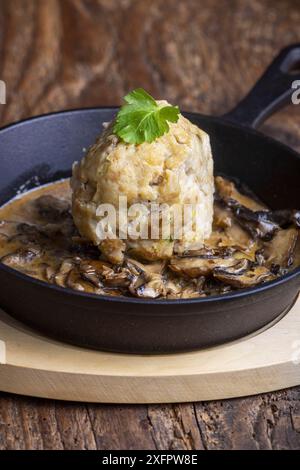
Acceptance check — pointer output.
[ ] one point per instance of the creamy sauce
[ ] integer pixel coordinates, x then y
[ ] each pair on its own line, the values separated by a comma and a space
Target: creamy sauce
38, 237
22, 209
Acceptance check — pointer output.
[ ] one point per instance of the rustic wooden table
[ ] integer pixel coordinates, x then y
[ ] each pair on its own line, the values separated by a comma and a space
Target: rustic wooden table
203, 55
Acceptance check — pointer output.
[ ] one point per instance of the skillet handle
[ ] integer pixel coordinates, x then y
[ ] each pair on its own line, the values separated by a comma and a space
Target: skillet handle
272, 91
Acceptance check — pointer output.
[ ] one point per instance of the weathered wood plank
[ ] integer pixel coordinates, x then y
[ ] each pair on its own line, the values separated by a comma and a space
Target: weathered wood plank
204, 56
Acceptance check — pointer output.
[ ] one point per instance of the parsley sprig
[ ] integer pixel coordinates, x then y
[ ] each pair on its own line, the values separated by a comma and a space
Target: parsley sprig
141, 119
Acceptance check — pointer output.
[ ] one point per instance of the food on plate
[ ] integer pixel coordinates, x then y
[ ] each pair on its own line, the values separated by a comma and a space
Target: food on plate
39, 238
175, 169
83, 235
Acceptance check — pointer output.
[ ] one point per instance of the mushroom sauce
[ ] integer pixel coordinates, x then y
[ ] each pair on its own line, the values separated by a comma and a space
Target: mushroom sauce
249, 245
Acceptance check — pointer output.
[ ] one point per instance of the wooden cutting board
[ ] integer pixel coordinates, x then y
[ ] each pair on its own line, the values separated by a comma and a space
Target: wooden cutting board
32, 364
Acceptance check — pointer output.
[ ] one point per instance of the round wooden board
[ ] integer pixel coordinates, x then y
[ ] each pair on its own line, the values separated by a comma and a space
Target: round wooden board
32, 364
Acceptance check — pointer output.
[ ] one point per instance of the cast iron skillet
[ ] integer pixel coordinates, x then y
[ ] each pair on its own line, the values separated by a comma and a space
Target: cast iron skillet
42, 149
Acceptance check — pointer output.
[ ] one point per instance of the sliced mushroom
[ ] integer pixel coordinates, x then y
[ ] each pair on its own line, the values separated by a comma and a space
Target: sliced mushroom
143, 273
259, 257
196, 267
21, 257
285, 218
90, 273
60, 277
173, 288
241, 240
179, 288
240, 277
102, 268
281, 249
156, 267
73, 274
238, 268
232, 237
101, 274
227, 191
49, 273
121, 278
296, 218
209, 252
146, 279
264, 224
253, 216
193, 288
152, 289
259, 224
75, 281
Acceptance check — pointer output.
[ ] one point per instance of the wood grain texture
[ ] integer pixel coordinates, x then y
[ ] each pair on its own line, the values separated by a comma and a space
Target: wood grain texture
203, 55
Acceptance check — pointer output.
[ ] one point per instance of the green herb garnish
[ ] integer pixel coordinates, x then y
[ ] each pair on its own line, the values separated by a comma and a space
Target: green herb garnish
140, 119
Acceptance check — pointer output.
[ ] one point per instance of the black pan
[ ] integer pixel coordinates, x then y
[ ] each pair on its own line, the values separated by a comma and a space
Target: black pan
42, 149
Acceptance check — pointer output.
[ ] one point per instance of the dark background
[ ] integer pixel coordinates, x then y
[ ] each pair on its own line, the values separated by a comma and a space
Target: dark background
203, 55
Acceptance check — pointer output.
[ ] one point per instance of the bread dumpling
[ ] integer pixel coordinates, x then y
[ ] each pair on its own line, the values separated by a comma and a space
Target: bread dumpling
176, 169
